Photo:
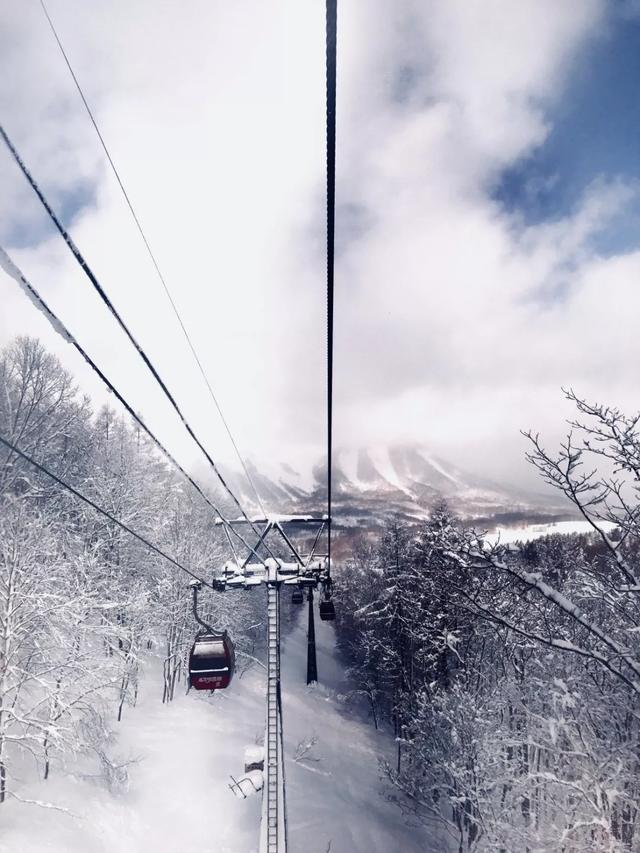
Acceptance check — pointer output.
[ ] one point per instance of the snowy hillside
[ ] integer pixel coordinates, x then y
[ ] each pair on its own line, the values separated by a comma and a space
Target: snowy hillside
177, 799
370, 484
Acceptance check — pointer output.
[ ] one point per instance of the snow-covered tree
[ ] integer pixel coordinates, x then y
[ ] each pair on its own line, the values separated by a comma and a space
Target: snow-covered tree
83, 605
520, 687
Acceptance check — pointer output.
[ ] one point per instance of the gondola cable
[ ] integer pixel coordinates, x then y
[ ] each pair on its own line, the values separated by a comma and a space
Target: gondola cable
43, 469
152, 257
14, 272
331, 50
208, 650
104, 297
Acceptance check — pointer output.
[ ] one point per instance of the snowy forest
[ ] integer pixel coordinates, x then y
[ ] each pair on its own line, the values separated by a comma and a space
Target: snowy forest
81, 601
508, 676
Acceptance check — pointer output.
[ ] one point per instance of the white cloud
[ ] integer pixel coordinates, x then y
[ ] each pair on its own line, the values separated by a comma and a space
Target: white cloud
456, 324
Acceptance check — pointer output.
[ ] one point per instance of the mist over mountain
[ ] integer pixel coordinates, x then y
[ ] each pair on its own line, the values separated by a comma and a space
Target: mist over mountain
372, 484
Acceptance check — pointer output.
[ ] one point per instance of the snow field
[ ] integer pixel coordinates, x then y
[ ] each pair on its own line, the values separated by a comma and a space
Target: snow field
177, 800
528, 532
339, 798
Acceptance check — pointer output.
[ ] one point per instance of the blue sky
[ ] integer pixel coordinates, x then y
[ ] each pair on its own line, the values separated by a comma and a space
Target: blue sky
32, 225
594, 134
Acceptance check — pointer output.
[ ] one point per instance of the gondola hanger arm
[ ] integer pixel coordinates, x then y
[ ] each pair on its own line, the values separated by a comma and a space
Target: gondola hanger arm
196, 586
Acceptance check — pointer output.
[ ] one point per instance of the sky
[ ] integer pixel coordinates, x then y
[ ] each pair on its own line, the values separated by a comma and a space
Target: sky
487, 222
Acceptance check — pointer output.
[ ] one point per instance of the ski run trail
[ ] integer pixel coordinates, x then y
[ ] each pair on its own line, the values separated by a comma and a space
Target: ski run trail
183, 754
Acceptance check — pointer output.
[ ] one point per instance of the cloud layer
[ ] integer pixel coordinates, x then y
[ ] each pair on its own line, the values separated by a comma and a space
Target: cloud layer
458, 320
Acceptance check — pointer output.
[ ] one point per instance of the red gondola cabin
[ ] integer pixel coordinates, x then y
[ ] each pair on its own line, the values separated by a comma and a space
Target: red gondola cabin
211, 662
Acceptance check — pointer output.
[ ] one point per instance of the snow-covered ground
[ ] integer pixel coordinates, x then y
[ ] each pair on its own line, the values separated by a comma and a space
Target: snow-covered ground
341, 797
535, 531
177, 800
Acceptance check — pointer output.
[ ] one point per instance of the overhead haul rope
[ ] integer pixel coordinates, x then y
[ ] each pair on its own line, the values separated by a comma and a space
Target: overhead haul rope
14, 272
152, 256
97, 286
331, 33
99, 509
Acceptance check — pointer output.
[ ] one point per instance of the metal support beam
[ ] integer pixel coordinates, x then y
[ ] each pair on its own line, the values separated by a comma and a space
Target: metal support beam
279, 519
314, 546
261, 539
273, 830
277, 526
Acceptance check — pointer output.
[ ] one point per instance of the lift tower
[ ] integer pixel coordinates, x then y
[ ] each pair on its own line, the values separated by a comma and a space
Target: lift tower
306, 571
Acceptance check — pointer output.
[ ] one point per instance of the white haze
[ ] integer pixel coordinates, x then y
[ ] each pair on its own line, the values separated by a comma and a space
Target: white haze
456, 324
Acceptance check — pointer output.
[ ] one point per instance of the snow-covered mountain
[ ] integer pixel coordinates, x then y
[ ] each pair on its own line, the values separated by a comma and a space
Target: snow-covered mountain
371, 484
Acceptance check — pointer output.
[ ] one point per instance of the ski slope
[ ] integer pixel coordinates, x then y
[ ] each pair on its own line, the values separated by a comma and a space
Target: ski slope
177, 799
341, 797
